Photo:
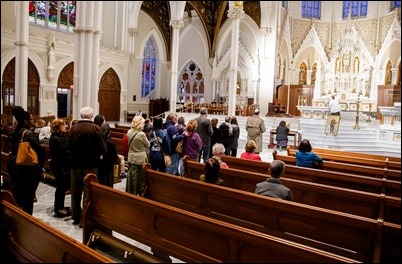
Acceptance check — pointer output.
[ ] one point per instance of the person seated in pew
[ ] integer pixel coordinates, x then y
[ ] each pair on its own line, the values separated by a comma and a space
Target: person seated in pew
211, 172
273, 186
305, 157
218, 149
249, 151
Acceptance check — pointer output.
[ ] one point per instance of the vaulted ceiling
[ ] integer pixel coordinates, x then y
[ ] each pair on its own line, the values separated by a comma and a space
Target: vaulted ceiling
211, 13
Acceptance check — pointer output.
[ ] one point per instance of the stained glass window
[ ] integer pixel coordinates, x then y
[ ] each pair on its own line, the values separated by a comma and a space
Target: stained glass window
395, 4
191, 84
148, 68
285, 4
311, 9
354, 9
54, 14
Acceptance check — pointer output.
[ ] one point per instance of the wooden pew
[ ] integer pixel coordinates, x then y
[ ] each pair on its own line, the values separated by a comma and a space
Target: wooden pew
28, 239
324, 229
348, 154
333, 178
332, 166
370, 205
355, 158
187, 236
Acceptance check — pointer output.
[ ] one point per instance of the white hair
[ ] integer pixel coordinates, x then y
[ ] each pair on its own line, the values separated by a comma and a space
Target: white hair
87, 112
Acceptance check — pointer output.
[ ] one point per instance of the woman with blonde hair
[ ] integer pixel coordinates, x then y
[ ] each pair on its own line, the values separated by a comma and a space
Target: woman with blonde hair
249, 151
138, 145
60, 165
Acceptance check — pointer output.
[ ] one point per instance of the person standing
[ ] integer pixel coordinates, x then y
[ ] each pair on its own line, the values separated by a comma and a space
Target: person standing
159, 145
204, 130
255, 127
273, 186
236, 135
192, 144
85, 143
60, 166
173, 139
107, 160
25, 179
334, 107
138, 145
216, 135
226, 130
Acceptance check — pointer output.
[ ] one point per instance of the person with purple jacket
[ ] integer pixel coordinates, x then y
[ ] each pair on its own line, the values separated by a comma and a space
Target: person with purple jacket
192, 144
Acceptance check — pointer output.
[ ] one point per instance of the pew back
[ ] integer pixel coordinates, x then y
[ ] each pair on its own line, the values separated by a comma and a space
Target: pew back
27, 239
328, 230
185, 235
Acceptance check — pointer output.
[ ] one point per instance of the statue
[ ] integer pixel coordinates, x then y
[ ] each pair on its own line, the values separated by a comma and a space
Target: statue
51, 54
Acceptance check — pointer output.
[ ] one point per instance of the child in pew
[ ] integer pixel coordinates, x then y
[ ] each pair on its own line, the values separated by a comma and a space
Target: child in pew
211, 172
273, 186
249, 151
305, 157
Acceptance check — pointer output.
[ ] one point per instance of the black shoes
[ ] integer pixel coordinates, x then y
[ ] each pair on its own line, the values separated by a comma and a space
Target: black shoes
63, 212
77, 222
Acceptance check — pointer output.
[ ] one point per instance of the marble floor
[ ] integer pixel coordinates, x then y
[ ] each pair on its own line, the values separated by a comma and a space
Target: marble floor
43, 208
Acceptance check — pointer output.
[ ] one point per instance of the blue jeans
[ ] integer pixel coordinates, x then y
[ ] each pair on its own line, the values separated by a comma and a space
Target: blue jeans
174, 167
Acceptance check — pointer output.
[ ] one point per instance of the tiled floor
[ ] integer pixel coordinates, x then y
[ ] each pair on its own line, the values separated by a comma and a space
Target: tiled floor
44, 206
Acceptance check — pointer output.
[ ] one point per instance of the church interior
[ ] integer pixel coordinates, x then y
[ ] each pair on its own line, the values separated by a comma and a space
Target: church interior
283, 58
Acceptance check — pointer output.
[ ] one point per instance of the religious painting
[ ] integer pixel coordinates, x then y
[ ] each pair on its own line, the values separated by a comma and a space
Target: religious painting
332, 125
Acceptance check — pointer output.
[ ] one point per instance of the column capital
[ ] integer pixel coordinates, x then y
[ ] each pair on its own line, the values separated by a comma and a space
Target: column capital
236, 14
176, 24
264, 31
133, 32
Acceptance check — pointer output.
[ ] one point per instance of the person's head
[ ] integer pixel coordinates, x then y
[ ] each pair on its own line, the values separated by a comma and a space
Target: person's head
191, 125
23, 118
233, 120
58, 126
105, 130
218, 149
250, 146
214, 122
211, 170
87, 112
305, 146
282, 123
228, 119
147, 122
333, 96
157, 122
172, 117
138, 123
203, 111
181, 120
99, 120
40, 123
277, 168
257, 111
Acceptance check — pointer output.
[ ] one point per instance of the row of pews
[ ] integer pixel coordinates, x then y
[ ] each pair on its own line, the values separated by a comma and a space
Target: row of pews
336, 216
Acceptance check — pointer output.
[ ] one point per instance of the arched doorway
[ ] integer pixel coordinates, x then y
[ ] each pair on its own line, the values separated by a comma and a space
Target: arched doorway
8, 88
64, 85
109, 96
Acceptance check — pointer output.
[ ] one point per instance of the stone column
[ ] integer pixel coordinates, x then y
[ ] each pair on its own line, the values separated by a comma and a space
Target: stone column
394, 78
87, 40
176, 25
235, 14
133, 33
21, 57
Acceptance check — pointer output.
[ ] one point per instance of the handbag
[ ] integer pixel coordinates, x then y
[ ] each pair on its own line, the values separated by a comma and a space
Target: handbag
26, 155
179, 147
166, 156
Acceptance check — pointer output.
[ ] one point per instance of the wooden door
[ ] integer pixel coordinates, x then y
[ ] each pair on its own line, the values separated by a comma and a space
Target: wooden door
283, 96
386, 96
109, 96
299, 91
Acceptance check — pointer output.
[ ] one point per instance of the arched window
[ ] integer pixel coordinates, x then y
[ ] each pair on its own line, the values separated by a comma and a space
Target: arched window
53, 14
395, 4
355, 9
191, 84
311, 9
148, 68
285, 5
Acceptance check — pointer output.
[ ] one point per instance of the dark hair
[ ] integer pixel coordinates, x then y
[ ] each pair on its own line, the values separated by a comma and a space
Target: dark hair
180, 120
211, 170
99, 119
203, 111
214, 122
105, 128
305, 146
20, 115
276, 168
282, 123
157, 122
233, 120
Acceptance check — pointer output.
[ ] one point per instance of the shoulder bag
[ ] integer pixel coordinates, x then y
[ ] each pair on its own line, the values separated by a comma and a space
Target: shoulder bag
166, 156
26, 155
